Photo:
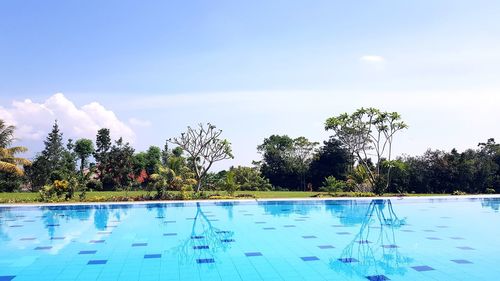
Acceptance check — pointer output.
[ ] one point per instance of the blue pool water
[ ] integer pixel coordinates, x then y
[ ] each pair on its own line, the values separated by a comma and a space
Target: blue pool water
397, 239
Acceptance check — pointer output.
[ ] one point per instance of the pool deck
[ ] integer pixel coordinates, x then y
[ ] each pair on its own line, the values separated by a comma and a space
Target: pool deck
405, 198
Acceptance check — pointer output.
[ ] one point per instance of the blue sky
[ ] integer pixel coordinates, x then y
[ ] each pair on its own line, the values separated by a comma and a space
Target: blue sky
253, 68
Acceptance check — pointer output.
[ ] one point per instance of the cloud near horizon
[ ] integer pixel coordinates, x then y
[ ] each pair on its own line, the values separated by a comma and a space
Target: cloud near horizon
34, 120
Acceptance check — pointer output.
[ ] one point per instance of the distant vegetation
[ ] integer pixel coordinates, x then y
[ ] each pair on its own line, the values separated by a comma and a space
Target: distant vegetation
356, 158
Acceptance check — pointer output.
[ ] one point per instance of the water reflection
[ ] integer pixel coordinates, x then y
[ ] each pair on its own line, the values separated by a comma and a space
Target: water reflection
493, 203
375, 245
205, 240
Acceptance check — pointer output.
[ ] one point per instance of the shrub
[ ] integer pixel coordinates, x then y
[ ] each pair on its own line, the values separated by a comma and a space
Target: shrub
490, 190
332, 185
458, 192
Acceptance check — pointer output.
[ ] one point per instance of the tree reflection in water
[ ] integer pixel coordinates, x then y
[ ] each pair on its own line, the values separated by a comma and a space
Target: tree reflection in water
375, 245
203, 233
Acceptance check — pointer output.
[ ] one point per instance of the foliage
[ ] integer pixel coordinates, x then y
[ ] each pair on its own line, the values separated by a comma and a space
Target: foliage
204, 147
102, 156
83, 149
250, 178
369, 132
230, 185
333, 185
9, 163
332, 159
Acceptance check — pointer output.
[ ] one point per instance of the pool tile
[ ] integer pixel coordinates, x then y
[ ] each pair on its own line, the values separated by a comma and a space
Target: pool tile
97, 262
152, 256
57, 238
269, 228
87, 252
200, 247
227, 240
169, 234
205, 260
343, 233
43, 248
363, 242
52, 225
312, 258
104, 232
461, 261
253, 254
348, 260
197, 237
407, 230
429, 230
289, 225
169, 221
96, 241
467, 248
17, 225
260, 222
377, 278
422, 268
309, 237
391, 246
139, 244
433, 238
223, 232
7, 278
457, 238
28, 239
324, 247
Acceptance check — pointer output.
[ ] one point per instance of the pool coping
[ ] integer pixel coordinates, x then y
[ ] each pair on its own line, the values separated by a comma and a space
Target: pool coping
405, 198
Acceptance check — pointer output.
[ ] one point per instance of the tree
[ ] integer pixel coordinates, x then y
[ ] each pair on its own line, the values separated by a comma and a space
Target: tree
276, 165
153, 159
205, 147
250, 178
84, 149
165, 153
369, 132
302, 154
54, 149
9, 163
101, 153
121, 157
332, 159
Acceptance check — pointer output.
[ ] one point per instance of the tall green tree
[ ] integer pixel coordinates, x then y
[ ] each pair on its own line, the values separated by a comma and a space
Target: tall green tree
369, 133
102, 153
121, 157
84, 149
330, 160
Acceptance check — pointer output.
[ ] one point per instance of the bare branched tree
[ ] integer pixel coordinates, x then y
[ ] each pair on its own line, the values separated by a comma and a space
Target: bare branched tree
205, 147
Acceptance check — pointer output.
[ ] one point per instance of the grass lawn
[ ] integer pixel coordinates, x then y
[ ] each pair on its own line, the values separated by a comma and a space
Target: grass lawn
102, 196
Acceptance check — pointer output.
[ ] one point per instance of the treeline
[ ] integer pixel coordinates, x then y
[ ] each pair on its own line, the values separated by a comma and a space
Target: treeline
356, 158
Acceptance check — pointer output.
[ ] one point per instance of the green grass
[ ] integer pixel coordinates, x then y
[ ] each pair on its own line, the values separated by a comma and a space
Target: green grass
113, 196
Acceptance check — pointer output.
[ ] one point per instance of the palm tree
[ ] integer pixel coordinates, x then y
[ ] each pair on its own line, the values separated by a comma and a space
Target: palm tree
8, 162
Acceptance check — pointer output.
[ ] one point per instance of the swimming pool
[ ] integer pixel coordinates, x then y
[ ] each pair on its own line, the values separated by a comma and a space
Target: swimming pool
365, 239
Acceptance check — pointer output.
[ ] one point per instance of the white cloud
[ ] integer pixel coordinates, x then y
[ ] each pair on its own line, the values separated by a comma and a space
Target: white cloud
139, 123
34, 120
372, 59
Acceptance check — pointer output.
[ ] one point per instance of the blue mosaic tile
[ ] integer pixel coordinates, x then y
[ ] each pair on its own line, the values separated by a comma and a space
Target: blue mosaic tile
197, 237
97, 262
200, 247
205, 260
348, 260
28, 239
338, 225
313, 258
457, 238
343, 233
377, 278
269, 228
253, 254
323, 247
248, 215
159, 217
169, 234
152, 256
139, 244
309, 237
289, 225
17, 225
57, 238
7, 278
227, 240
299, 220
422, 268
363, 242
43, 248
52, 225
465, 248
223, 232
407, 230
442, 226
104, 232
391, 246
96, 241
169, 221
29, 221
260, 222
433, 238
87, 252
461, 261
429, 230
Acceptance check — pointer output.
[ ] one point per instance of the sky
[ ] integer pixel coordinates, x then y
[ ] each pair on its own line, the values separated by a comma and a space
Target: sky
148, 69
